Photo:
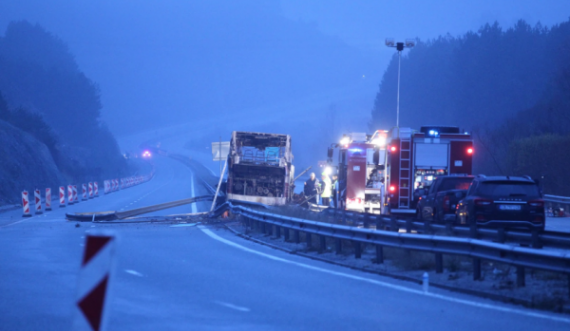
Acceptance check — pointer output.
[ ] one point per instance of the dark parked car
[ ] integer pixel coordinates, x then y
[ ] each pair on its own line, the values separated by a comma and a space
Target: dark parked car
440, 201
502, 201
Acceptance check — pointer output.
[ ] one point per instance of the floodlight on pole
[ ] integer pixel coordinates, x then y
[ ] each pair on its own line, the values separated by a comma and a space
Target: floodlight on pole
390, 42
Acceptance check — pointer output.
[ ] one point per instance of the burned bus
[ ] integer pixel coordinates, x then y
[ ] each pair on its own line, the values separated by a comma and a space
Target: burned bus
260, 168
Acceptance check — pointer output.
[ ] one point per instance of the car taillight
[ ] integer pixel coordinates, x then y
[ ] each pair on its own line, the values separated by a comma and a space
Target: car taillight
446, 203
536, 203
538, 219
392, 188
481, 218
483, 202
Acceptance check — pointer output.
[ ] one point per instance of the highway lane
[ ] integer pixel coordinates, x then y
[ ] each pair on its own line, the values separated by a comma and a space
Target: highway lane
180, 278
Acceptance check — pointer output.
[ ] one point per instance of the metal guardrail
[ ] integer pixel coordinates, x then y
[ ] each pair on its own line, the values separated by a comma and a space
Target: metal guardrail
521, 257
556, 199
533, 238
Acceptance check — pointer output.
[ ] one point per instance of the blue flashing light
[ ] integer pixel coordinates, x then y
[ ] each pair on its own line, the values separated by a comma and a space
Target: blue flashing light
433, 133
355, 150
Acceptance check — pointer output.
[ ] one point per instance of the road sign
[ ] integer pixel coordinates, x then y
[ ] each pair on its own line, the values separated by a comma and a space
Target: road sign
224, 147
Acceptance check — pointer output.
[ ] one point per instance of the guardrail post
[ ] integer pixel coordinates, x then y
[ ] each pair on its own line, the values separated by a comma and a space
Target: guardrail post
438, 263
357, 250
535, 239
501, 235
309, 240
568, 286
366, 221
338, 246
476, 269
379, 254
277, 231
297, 236
261, 227
473, 230
427, 226
286, 234
520, 277
409, 225
322, 244
449, 227
394, 226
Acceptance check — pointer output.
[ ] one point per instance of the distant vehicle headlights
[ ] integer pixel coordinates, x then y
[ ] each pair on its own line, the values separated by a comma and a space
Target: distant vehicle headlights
146, 154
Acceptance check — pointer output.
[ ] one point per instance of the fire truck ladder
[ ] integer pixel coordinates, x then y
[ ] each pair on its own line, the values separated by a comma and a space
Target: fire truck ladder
404, 187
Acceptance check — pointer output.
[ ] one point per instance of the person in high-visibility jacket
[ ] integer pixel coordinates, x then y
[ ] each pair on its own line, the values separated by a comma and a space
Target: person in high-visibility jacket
326, 189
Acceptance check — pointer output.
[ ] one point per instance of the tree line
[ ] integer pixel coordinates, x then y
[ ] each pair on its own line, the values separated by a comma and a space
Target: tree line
43, 92
509, 87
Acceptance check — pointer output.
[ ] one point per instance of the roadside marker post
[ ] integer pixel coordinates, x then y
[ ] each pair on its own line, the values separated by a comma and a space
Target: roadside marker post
90, 189
48, 199
70, 199
26, 204
83, 192
75, 197
61, 196
96, 189
93, 282
38, 199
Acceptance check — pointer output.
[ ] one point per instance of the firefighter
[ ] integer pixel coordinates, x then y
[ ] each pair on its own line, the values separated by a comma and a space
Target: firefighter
326, 189
312, 189
334, 190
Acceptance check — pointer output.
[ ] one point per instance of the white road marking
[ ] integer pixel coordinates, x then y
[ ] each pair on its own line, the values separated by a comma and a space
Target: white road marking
385, 284
229, 305
20, 221
132, 272
183, 225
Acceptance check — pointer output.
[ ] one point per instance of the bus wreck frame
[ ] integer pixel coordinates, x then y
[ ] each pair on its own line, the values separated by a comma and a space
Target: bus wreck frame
260, 168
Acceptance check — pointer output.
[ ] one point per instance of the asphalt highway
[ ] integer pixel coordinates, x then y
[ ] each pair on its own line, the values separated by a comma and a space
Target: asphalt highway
203, 277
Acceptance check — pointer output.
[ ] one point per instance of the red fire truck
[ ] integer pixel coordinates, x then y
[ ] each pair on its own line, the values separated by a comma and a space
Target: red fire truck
414, 158
360, 171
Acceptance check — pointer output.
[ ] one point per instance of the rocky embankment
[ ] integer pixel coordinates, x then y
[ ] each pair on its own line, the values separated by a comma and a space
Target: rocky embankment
25, 164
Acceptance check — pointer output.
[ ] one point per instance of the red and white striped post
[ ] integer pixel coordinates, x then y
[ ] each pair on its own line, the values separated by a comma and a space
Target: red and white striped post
96, 189
26, 204
38, 198
90, 189
116, 184
61, 196
83, 191
48, 199
70, 199
93, 282
75, 196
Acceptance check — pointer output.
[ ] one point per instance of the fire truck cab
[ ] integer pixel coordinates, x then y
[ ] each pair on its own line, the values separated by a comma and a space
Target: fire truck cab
414, 158
361, 171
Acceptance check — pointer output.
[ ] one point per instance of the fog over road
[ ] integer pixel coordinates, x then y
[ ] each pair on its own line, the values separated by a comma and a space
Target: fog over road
206, 278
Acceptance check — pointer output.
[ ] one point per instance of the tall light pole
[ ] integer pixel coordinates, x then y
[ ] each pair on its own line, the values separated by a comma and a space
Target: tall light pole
399, 47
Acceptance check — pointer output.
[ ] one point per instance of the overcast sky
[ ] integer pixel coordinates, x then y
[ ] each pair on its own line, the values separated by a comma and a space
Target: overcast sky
138, 53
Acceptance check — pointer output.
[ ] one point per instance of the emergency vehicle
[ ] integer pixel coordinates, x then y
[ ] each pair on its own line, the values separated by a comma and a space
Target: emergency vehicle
361, 171
414, 158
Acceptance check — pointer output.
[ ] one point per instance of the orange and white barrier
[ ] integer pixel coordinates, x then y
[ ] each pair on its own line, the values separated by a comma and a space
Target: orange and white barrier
83, 191
61, 196
95, 189
70, 199
75, 197
26, 204
90, 190
93, 282
38, 198
48, 199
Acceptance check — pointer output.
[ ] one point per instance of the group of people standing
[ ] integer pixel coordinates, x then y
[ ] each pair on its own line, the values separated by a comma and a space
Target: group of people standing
327, 189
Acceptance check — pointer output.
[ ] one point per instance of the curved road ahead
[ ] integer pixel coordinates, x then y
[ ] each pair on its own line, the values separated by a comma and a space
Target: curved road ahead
205, 278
